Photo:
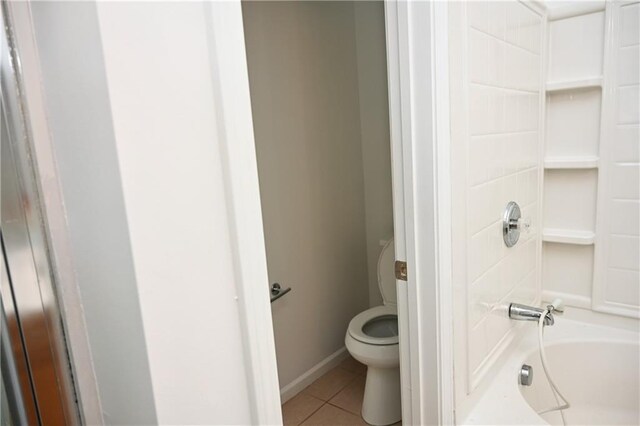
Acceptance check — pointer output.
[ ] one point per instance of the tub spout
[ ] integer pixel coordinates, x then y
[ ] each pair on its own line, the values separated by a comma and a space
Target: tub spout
529, 313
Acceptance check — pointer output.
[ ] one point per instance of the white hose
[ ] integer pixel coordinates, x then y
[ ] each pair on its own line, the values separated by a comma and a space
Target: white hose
554, 389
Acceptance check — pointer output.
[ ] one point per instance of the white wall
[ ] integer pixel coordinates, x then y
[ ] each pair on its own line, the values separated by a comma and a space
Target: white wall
496, 98
133, 116
304, 89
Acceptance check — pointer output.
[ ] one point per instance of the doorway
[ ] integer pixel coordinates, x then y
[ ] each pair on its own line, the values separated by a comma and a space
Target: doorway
318, 82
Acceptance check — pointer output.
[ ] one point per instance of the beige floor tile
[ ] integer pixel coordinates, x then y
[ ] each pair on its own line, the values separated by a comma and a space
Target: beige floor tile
329, 415
350, 398
330, 384
298, 408
353, 366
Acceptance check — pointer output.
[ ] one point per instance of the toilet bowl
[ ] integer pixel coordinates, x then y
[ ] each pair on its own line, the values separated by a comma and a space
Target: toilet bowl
372, 339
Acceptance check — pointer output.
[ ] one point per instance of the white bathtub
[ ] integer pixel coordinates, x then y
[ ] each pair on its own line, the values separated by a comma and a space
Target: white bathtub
596, 367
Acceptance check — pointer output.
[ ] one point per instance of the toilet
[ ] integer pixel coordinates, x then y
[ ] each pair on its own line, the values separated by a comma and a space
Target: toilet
372, 339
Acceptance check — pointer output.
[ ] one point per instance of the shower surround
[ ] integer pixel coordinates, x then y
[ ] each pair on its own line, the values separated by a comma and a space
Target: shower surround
544, 112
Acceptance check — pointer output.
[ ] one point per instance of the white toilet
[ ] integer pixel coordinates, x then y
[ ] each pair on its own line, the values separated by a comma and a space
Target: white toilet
372, 339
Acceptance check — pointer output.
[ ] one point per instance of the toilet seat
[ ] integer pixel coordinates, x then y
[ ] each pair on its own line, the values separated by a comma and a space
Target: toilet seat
358, 322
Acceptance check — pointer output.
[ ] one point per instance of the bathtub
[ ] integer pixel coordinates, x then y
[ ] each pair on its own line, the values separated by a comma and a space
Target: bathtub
596, 367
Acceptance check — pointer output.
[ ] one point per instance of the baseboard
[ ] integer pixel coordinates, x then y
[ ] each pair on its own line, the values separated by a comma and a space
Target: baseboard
297, 385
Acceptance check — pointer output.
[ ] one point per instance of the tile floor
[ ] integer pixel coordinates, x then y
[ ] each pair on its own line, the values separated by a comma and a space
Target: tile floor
333, 399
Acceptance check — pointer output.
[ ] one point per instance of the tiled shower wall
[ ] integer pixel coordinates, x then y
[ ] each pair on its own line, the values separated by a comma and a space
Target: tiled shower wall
617, 279
496, 96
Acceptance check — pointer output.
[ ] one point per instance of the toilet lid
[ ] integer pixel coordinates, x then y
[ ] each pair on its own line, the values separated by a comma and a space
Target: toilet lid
386, 274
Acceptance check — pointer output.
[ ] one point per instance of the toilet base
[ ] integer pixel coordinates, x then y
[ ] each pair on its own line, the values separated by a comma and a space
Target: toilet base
382, 404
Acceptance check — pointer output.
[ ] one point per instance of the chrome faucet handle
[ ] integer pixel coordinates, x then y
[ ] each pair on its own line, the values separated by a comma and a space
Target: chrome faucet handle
548, 318
524, 224
556, 307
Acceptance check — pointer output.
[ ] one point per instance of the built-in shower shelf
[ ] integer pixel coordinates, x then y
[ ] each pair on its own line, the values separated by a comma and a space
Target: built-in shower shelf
586, 162
568, 236
573, 9
585, 83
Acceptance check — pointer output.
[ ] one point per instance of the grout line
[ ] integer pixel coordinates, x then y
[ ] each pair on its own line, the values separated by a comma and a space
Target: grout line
615, 234
496, 305
355, 377
617, 268
502, 133
313, 412
624, 46
347, 411
503, 40
495, 222
493, 180
504, 88
631, 200
626, 163
622, 86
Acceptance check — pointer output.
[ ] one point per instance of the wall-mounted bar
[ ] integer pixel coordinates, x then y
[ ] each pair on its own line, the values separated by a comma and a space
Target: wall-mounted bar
277, 291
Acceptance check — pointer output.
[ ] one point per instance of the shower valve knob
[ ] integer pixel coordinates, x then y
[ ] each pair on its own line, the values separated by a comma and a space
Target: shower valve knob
514, 224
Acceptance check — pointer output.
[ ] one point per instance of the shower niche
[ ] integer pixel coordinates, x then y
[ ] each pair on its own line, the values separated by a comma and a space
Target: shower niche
571, 160
591, 179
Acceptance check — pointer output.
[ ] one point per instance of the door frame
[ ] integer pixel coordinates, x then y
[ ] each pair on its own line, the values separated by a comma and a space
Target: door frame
417, 61
240, 169
417, 58
418, 67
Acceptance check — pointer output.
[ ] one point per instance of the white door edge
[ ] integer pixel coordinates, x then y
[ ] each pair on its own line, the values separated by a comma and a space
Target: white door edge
417, 55
392, 24
444, 282
231, 83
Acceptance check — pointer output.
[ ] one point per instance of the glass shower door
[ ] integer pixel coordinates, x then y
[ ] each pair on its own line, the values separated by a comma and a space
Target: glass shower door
37, 382
17, 406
